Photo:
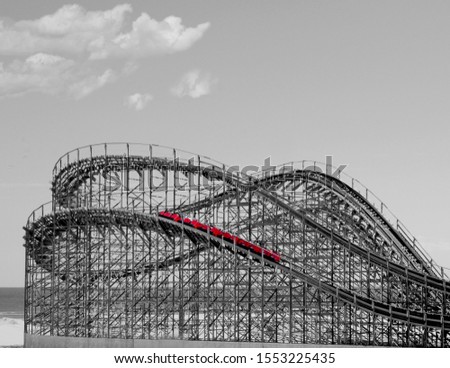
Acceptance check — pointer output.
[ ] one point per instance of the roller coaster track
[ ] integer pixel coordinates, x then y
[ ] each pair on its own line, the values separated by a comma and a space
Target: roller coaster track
344, 268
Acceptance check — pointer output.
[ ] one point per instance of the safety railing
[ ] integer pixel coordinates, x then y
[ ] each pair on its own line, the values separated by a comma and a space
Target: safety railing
150, 151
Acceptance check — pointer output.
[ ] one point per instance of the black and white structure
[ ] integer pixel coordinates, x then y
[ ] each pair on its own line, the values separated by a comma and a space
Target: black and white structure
144, 243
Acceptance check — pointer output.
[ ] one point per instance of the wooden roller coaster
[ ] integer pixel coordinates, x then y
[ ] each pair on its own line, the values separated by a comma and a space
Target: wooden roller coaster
150, 242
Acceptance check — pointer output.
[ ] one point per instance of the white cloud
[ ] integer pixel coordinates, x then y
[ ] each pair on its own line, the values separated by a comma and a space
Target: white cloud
138, 101
71, 29
40, 72
90, 84
194, 84
55, 53
51, 74
98, 34
72, 19
41, 61
148, 37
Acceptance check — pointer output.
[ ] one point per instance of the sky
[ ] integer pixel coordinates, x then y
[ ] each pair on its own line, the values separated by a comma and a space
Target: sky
239, 81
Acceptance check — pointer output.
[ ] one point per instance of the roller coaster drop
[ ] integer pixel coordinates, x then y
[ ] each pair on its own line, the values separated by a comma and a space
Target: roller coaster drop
134, 245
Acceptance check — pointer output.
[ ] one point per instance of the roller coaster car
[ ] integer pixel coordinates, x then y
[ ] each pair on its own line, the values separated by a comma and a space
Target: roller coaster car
176, 217
229, 238
164, 214
198, 225
255, 248
276, 257
216, 232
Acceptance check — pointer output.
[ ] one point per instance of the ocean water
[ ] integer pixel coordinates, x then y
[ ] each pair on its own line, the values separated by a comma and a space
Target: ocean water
11, 302
11, 317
